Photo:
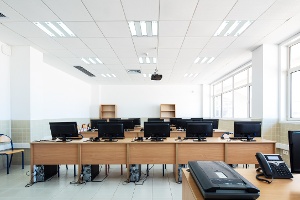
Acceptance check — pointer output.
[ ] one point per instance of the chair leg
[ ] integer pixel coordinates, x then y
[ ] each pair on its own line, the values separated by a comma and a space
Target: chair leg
163, 170
7, 164
22, 159
74, 170
10, 159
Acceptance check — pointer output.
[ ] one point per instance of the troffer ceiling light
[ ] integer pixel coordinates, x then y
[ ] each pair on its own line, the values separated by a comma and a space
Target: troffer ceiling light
143, 28
91, 61
203, 60
55, 29
232, 28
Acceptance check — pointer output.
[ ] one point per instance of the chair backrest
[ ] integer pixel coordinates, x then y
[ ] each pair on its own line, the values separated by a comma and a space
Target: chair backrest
6, 139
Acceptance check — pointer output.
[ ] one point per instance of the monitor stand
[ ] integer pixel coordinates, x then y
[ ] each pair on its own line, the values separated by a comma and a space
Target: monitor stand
200, 139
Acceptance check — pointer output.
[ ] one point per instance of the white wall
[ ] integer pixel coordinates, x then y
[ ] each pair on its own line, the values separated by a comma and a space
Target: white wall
145, 100
4, 86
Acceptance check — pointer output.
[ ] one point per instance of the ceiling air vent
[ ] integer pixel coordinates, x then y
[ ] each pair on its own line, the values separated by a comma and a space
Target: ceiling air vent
133, 71
84, 71
1, 15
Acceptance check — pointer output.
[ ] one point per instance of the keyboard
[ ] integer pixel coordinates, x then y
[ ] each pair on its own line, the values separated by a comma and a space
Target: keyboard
237, 138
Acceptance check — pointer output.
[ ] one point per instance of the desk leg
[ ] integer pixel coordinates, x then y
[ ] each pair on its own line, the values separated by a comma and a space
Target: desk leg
79, 164
31, 163
22, 159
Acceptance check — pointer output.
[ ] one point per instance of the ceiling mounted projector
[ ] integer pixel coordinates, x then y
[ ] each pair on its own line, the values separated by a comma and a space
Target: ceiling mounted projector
155, 76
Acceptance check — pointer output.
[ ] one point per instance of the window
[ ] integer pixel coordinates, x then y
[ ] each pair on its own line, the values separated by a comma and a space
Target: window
294, 81
232, 95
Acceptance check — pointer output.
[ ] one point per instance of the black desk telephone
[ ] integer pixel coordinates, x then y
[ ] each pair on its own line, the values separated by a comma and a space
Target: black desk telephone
272, 166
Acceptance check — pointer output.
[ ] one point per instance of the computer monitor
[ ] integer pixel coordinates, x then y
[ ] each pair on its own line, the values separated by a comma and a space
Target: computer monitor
127, 123
94, 122
247, 129
214, 121
181, 123
197, 119
111, 131
173, 121
294, 147
199, 131
157, 131
114, 119
155, 120
63, 130
136, 121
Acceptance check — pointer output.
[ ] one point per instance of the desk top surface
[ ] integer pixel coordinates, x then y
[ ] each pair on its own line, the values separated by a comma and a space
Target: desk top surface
287, 189
168, 140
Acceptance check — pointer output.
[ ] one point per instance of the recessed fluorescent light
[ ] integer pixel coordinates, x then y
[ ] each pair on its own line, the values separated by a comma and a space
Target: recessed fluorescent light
233, 26
108, 75
43, 28
243, 28
55, 29
141, 60
210, 60
103, 75
84, 60
186, 75
220, 29
143, 28
203, 60
113, 75
63, 26
92, 61
190, 75
145, 75
154, 27
147, 60
197, 60
154, 60
195, 75
98, 60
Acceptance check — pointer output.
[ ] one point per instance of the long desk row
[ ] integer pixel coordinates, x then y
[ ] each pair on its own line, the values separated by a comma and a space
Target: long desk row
170, 151
279, 189
138, 133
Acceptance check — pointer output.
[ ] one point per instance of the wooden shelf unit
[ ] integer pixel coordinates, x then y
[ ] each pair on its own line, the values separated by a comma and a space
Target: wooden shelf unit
108, 111
167, 111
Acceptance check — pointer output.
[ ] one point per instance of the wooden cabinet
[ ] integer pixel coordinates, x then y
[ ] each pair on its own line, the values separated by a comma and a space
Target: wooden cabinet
108, 111
167, 111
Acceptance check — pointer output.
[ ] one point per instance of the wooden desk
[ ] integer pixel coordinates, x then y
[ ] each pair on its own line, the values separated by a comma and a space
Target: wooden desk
170, 151
287, 189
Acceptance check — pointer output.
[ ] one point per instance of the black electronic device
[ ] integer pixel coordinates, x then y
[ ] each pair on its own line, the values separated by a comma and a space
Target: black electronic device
214, 121
155, 120
294, 146
156, 77
199, 131
216, 180
128, 124
248, 129
111, 131
63, 130
114, 119
181, 123
94, 122
173, 121
272, 166
157, 131
197, 119
136, 121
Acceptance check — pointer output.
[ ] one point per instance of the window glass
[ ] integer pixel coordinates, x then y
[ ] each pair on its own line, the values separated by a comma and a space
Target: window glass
240, 103
218, 88
295, 55
227, 84
217, 106
295, 95
241, 79
227, 104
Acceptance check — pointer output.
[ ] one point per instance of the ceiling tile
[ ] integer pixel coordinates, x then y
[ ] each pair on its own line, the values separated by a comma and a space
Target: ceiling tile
125, 52
139, 10
129, 60
84, 29
261, 28
76, 12
282, 9
168, 53
173, 28
11, 38
220, 42
170, 42
11, 14
96, 43
71, 43
114, 29
120, 42
203, 28
195, 42
46, 43
145, 42
82, 52
244, 42
60, 53
25, 29
211, 52
187, 55
108, 53
177, 9
110, 61
213, 9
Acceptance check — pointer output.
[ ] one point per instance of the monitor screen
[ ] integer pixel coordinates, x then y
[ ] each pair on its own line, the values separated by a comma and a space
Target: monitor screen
63, 130
111, 130
199, 130
155, 120
136, 121
114, 119
197, 119
173, 121
94, 123
127, 123
214, 121
156, 130
294, 147
181, 123
247, 129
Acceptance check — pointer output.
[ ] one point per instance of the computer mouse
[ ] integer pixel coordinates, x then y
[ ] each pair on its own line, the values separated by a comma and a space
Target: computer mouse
179, 138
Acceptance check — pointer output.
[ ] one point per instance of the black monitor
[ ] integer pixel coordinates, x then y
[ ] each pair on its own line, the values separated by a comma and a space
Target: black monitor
247, 129
294, 147
136, 121
157, 131
127, 123
111, 131
199, 131
63, 130
173, 121
181, 123
155, 120
94, 122
197, 119
214, 121
114, 119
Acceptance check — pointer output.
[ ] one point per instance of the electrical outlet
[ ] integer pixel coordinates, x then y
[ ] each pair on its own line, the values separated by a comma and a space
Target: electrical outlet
285, 152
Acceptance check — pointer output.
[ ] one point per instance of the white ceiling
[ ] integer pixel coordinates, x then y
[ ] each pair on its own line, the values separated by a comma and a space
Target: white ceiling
185, 32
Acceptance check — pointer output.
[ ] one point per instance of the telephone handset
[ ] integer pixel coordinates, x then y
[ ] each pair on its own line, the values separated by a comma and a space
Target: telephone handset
273, 166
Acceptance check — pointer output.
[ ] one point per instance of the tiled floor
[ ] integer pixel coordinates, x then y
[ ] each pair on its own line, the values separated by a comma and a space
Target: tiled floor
156, 186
